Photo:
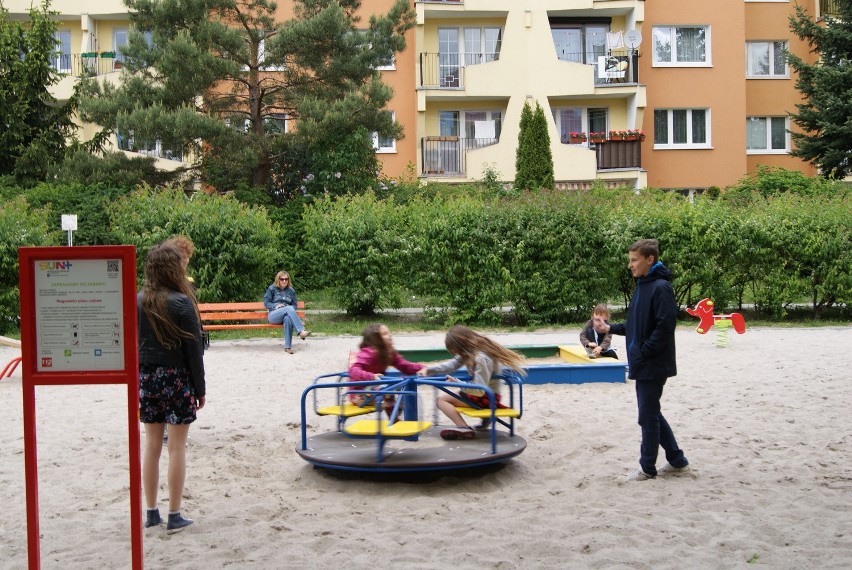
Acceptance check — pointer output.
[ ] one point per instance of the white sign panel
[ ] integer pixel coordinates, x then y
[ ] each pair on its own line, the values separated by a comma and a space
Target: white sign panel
79, 318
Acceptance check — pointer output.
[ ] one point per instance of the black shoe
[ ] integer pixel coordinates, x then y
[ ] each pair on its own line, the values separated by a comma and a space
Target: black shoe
484, 425
177, 523
152, 518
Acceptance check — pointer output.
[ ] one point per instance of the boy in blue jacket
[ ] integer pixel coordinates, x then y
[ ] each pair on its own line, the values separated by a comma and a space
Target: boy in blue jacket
650, 331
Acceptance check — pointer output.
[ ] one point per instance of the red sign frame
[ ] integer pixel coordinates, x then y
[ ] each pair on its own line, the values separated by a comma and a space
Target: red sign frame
33, 376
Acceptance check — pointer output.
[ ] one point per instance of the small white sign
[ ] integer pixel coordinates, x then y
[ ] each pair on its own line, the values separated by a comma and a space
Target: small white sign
69, 222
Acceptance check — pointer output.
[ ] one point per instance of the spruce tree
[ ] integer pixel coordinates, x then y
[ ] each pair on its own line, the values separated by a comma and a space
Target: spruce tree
825, 116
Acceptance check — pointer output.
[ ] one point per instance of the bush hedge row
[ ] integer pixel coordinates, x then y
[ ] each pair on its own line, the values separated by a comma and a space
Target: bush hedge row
550, 255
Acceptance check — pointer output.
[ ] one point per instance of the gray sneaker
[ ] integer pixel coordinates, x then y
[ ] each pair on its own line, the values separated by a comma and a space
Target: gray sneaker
669, 469
639, 475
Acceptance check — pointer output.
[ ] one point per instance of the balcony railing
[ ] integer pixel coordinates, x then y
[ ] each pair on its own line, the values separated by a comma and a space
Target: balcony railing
618, 154
89, 63
829, 7
446, 156
618, 67
446, 70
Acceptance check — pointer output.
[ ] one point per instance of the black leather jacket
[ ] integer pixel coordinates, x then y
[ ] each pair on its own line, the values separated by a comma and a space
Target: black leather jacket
188, 354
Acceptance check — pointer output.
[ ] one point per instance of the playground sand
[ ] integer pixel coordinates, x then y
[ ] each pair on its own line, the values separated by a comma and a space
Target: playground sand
765, 423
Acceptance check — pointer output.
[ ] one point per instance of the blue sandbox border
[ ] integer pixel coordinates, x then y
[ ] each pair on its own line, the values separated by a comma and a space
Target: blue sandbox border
542, 373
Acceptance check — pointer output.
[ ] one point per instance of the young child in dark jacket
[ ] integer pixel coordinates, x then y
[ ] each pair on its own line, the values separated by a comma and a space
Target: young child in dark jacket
595, 343
650, 335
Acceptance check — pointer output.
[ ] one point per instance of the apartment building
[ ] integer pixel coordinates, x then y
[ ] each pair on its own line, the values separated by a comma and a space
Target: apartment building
704, 82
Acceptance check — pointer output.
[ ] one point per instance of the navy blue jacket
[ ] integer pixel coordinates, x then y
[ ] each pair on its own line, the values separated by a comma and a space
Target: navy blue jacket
650, 327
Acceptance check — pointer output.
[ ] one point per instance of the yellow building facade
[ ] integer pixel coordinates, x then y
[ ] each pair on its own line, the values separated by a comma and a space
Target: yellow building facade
704, 82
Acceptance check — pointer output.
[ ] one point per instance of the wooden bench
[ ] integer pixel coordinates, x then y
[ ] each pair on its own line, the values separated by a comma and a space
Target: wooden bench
238, 316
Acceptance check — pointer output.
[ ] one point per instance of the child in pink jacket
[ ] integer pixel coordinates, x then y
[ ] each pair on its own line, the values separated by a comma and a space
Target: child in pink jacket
376, 355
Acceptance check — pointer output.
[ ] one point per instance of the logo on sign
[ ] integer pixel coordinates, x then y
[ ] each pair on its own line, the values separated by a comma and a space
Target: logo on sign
46, 362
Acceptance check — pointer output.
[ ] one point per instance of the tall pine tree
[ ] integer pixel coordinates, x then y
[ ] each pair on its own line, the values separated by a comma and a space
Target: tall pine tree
217, 78
826, 115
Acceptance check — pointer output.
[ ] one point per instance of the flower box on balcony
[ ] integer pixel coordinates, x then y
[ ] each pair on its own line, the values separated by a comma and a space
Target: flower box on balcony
108, 54
89, 54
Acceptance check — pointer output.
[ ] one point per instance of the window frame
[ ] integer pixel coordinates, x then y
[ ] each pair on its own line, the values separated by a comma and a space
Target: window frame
585, 121
769, 149
377, 147
708, 130
749, 61
673, 62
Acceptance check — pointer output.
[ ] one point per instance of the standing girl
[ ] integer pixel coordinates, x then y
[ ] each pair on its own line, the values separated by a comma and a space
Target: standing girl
484, 360
171, 375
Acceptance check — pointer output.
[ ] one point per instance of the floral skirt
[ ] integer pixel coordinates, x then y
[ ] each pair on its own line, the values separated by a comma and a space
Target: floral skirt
166, 395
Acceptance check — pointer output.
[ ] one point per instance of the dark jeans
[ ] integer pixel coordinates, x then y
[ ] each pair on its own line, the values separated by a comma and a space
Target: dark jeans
655, 429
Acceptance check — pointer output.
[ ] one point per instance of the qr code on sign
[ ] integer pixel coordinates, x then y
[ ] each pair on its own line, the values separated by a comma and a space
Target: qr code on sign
112, 265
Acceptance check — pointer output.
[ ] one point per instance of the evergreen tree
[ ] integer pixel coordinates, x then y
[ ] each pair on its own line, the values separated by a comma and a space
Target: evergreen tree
217, 78
34, 126
534, 159
826, 115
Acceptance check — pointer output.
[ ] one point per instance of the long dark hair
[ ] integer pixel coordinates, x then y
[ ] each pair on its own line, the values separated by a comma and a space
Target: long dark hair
373, 337
164, 273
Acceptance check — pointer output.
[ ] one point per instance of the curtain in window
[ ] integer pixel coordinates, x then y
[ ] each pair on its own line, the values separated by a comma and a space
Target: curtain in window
662, 44
493, 43
779, 133
699, 126
690, 44
779, 58
597, 120
755, 133
568, 121
679, 127
661, 127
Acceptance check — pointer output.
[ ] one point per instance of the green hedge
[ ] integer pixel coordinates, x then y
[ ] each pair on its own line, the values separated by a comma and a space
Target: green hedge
554, 255
237, 250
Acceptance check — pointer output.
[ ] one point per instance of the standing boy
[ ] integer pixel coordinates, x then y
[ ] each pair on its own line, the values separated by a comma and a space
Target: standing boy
650, 328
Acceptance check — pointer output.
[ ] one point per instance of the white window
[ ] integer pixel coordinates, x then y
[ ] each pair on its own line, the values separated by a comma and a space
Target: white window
580, 43
685, 46
482, 127
275, 124
766, 59
383, 144
460, 47
681, 128
579, 120
62, 57
119, 40
766, 135
261, 59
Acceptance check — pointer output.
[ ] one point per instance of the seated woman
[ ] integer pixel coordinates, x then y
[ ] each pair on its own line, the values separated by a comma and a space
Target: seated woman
280, 301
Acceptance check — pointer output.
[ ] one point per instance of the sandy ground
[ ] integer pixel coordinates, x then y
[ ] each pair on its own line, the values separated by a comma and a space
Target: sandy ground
765, 423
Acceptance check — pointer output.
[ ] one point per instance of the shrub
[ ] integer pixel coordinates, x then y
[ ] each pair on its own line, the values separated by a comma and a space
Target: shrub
19, 227
237, 250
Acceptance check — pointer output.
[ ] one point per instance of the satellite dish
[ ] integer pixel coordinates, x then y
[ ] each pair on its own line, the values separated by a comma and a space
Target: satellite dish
632, 38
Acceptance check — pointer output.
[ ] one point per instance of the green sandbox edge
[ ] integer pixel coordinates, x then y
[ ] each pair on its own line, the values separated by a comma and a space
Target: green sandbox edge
434, 354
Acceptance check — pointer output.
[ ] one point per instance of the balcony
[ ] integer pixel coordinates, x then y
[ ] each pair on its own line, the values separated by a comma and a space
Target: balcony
88, 63
829, 8
446, 155
618, 67
613, 154
447, 70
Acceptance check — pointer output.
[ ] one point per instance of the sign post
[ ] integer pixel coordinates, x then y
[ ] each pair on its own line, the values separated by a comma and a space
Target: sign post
78, 326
